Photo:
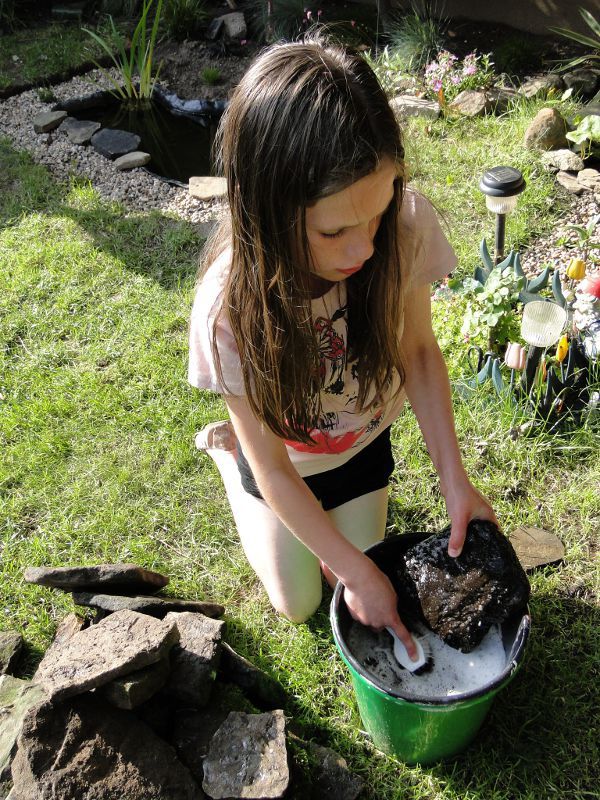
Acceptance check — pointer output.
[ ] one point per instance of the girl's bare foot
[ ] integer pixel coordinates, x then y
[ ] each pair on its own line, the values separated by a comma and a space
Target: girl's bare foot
216, 436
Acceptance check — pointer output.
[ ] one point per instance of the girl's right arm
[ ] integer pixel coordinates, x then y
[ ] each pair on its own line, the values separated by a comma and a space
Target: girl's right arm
368, 592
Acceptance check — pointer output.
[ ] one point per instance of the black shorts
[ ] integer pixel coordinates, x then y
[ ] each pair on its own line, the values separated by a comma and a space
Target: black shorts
367, 471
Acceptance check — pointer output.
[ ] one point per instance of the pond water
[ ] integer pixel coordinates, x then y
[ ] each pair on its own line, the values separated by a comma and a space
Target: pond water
179, 145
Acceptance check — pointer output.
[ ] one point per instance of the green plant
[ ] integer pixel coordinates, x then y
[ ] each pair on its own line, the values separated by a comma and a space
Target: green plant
586, 135
494, 293
388, 66
182, 18
46, 94
517, 53
585, 234
282, 19
415, 37
8, 15
580, 38
211, 75
449, 75
135, 67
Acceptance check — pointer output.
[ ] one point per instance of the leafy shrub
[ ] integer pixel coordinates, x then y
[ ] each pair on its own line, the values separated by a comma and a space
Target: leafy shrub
282, 19
415, 37
183, 18
580, 38
518, 53
452, 76
8, 14
389, 69
587, 135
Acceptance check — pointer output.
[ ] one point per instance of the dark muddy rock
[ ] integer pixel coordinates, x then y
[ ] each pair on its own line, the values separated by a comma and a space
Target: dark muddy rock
460, 598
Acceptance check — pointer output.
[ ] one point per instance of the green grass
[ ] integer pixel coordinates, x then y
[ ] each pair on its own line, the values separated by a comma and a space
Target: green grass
52, 50
98, 464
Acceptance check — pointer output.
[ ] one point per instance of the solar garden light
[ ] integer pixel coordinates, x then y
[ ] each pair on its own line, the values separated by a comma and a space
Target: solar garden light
501, 185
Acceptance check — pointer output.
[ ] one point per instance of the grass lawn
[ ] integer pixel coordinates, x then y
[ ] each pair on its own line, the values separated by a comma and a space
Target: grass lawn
96, 431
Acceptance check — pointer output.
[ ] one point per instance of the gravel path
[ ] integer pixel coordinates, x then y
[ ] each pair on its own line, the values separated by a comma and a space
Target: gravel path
138, 190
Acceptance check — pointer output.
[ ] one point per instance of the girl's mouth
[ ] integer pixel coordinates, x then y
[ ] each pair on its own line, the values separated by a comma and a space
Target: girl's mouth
351, 270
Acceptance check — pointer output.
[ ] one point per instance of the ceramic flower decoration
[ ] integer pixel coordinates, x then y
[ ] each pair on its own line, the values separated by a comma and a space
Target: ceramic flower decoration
562, 348
576, 269
515, 356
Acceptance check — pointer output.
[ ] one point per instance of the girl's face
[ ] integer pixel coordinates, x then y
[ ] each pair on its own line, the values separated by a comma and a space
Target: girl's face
341, 227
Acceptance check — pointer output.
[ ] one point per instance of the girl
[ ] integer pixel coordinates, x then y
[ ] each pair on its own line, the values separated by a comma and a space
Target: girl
312, 319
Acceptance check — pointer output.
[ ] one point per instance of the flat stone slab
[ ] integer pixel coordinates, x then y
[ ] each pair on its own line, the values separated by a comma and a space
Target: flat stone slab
48, 121
536, 547
11, 643
133, 689
263, 690
86, 749
570, 182
132, 160
195, 659
67, 628
17, 697
154, 606
407, 105
562, 159
79, 131
118, 578
112, 142
247, 757
122, 643
205, 188
461, 598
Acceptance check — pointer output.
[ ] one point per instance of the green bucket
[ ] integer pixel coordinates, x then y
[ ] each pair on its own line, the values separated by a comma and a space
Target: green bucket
421, 729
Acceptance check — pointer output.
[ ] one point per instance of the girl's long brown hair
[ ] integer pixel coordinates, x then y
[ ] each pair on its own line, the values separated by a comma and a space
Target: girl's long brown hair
307, 120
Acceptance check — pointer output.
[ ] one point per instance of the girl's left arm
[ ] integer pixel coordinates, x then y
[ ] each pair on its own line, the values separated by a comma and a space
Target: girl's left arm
428, 390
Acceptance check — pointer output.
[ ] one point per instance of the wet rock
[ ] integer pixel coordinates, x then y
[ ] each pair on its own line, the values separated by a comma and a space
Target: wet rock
263, 690
119, 578
122, 643
135, 688
112, 143
195, 659
247, 757
329, 775
460, 598
563, 159
205, 187
48, 121
132, 160
11, 643
17, 697
546, 131
85, 749
153, 606
407, 105
79, 131
542, 85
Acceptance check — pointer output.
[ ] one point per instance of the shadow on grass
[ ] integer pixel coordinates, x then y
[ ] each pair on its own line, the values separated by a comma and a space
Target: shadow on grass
154, 245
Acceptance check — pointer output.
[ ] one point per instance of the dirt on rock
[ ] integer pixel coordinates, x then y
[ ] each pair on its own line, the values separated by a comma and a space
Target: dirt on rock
184, 64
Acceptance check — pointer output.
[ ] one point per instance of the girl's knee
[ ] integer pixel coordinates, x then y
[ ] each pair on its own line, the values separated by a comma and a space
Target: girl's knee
297, 609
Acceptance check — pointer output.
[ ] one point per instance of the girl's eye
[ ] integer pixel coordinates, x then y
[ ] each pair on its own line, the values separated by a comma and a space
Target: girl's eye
332, 235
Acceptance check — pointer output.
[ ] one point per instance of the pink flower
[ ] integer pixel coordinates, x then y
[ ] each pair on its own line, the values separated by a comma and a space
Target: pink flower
243, 41
470, 70
308, 14
353, 23
437, 85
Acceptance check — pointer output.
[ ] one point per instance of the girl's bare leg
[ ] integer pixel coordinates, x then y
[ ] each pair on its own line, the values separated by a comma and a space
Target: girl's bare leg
287, 569
362, 521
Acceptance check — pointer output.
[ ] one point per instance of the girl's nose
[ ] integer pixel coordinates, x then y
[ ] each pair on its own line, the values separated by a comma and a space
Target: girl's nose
360, 246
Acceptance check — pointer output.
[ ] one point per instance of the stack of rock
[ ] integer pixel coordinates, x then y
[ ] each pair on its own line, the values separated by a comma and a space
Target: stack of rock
128, 705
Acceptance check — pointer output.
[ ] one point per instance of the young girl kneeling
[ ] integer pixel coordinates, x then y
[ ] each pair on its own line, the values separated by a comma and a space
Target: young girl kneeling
312, 319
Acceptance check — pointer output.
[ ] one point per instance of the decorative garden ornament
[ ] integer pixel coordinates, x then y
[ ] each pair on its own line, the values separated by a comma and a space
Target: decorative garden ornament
515, 356
562, 348
576, 269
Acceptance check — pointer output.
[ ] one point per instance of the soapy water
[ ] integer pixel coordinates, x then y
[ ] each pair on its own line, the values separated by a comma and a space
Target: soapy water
451, 671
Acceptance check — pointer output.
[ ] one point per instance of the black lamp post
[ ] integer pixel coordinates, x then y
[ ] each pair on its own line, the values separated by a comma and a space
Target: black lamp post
501, 185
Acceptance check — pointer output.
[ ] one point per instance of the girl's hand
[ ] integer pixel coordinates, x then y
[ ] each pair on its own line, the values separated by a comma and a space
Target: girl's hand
464, 503
372, 601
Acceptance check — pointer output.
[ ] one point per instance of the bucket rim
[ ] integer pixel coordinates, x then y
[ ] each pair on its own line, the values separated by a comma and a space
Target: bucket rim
492, 687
